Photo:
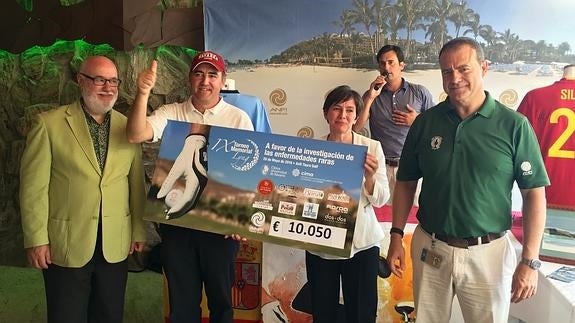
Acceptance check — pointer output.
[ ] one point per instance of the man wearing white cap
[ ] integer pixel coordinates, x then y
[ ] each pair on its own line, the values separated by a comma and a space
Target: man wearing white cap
191, 258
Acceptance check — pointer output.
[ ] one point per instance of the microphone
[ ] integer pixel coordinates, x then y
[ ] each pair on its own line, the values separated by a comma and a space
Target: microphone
385, 76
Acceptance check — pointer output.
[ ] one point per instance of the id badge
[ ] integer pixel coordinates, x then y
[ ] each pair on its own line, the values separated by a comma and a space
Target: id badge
431, 258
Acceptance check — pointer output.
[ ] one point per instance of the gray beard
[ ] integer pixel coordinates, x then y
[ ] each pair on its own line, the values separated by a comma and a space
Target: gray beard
95, 105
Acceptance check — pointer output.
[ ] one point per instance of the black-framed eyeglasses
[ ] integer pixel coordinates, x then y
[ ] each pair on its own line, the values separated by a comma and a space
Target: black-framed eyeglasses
100, 81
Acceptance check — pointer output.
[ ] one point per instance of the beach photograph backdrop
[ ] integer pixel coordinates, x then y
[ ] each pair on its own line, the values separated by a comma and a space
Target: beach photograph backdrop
292, 53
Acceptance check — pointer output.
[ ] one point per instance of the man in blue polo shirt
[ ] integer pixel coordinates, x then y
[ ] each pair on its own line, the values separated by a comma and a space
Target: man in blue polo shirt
469, 150
390, 105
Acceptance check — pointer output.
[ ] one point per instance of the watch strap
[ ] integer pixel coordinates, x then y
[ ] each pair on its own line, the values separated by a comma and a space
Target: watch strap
531, 263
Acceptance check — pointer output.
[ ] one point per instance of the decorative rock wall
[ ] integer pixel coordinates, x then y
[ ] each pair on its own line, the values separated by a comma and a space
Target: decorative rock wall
42, 78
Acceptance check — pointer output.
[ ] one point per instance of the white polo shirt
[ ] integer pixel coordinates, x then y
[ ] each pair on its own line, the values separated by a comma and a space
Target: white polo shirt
223, 115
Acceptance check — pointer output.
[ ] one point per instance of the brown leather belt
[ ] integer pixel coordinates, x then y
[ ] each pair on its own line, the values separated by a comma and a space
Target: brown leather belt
392, 162
468, 242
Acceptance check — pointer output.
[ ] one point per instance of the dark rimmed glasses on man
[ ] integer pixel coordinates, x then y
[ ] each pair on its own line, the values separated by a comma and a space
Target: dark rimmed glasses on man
100, 81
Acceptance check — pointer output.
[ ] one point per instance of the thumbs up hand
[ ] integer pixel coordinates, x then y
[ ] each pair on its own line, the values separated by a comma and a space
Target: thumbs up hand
147, 78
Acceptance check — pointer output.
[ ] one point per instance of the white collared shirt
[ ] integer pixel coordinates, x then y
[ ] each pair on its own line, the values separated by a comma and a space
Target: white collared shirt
222, 114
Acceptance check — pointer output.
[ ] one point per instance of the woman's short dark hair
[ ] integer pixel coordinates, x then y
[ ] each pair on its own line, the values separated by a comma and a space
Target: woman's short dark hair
340, 94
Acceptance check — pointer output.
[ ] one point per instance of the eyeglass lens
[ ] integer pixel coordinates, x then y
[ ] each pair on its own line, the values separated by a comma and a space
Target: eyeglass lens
98, 80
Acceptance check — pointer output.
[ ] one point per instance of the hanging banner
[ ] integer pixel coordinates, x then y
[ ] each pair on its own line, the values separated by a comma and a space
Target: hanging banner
293, 191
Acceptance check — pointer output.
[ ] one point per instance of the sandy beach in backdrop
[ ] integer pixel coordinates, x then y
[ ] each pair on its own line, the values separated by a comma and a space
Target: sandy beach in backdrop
304, 88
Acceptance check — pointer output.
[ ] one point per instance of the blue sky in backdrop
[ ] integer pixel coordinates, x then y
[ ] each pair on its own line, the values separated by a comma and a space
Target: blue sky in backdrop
289, 22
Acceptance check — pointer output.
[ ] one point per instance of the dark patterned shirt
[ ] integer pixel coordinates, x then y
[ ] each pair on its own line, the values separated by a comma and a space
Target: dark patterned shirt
100, 132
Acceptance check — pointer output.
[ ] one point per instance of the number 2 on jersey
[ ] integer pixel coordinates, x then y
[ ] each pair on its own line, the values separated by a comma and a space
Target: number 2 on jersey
556, 149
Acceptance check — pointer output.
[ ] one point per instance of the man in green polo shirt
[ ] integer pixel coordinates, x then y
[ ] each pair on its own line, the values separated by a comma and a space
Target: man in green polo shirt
469, 150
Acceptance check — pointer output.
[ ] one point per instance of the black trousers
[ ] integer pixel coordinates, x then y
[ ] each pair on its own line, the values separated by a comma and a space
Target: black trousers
358, 282
193, 259
93, 293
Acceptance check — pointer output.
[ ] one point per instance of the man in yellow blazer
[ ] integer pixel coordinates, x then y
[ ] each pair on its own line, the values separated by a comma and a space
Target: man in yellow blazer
81, 196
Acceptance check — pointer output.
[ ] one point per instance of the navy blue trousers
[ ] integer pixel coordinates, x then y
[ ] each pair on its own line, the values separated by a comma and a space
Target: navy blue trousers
192, 260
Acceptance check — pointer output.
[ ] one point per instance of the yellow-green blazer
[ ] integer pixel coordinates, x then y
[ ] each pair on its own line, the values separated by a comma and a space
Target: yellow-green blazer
62, 189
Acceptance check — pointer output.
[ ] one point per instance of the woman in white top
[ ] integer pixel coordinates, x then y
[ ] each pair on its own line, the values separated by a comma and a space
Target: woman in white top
358, 274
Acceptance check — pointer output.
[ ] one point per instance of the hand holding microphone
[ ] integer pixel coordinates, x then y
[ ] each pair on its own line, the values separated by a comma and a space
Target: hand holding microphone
379, 85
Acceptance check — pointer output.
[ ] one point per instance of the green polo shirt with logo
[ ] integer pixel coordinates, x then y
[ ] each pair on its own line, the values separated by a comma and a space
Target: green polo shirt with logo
469, 166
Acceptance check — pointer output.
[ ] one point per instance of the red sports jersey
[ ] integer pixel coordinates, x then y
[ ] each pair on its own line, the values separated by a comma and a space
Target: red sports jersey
551, 112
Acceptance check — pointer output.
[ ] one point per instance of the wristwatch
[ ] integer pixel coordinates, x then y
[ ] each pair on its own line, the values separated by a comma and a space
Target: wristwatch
532, 263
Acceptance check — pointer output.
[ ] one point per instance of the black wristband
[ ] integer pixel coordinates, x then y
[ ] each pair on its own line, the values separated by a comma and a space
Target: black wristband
396, 230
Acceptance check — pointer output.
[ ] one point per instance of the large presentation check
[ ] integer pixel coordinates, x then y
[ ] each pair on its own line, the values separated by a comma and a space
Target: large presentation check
292, 191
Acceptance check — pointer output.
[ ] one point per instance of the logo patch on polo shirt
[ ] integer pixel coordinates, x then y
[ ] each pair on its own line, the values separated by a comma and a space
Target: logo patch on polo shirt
526, 168
436, 142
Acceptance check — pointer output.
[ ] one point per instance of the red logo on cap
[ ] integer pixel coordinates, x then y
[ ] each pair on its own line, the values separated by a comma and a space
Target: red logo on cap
211, 58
